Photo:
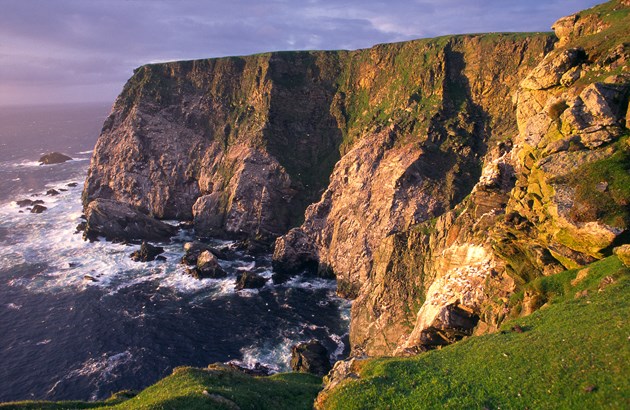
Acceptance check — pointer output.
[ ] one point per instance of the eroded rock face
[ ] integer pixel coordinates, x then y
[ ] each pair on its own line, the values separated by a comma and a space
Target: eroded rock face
210, 139
393, 179
254, 203
552, 68
310, 357
120, 222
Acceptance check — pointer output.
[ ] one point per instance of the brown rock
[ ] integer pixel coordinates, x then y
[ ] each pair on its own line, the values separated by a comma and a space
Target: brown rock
310, 357
293, 253
118, 221
207, 267
249, 280
147, 253
38, 209
549, 72
53, 158
623, 253
27, 202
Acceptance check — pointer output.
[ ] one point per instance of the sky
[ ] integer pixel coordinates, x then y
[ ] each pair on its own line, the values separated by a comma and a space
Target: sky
75, 51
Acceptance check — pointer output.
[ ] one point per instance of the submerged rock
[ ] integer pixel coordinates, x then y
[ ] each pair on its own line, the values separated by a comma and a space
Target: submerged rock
121, 222
147, 253
250, 280
310, 357
54, 158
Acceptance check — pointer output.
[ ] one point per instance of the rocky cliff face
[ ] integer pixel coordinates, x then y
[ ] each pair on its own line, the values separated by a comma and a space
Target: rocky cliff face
554, 196
417, 164
241, 145
442, 175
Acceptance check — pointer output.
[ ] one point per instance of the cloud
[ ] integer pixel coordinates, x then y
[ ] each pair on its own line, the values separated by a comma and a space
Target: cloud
48, 45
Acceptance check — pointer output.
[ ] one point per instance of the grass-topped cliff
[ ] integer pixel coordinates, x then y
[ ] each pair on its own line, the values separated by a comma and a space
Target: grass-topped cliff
573, 353
458, 186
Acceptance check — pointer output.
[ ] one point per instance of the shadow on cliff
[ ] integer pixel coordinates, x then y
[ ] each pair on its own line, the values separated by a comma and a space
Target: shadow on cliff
302, 134
459, 134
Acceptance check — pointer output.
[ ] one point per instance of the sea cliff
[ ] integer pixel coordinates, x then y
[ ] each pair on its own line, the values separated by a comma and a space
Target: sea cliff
433, 178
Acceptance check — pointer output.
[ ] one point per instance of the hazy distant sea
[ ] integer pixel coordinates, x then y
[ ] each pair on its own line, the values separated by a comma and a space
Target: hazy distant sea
65, 337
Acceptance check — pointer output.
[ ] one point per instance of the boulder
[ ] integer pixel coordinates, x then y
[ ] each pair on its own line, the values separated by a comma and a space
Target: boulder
192, 250
117, 221
310, 357
207, 267
147, 253
52, 192
38, 209
53, 158
250, 280
550, 71
623, 253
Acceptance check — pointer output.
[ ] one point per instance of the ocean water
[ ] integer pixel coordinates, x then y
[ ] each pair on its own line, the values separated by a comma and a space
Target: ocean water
63, 336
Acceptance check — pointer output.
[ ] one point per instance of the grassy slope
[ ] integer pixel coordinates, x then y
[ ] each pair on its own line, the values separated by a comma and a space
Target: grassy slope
574, 353
184, 389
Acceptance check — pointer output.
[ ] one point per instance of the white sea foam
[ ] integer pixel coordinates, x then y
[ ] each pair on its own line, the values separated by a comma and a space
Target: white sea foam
99, 370
304, 282
25, 163
50, 238
275, 357
341, 346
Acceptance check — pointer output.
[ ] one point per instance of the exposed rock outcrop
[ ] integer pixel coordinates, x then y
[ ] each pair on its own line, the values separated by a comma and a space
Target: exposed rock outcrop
207, 266
54, 158
147, 253
249, 280
310, 357
38, 209
120, 222
28, 202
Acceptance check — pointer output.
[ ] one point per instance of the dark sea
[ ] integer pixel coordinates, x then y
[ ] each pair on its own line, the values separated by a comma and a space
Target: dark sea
63, 336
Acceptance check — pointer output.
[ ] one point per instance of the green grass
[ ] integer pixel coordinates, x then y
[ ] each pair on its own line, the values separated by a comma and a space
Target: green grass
226, 389
612, 204
572, 354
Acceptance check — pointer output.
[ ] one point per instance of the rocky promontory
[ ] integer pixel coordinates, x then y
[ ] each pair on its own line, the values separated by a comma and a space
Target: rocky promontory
432, 178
